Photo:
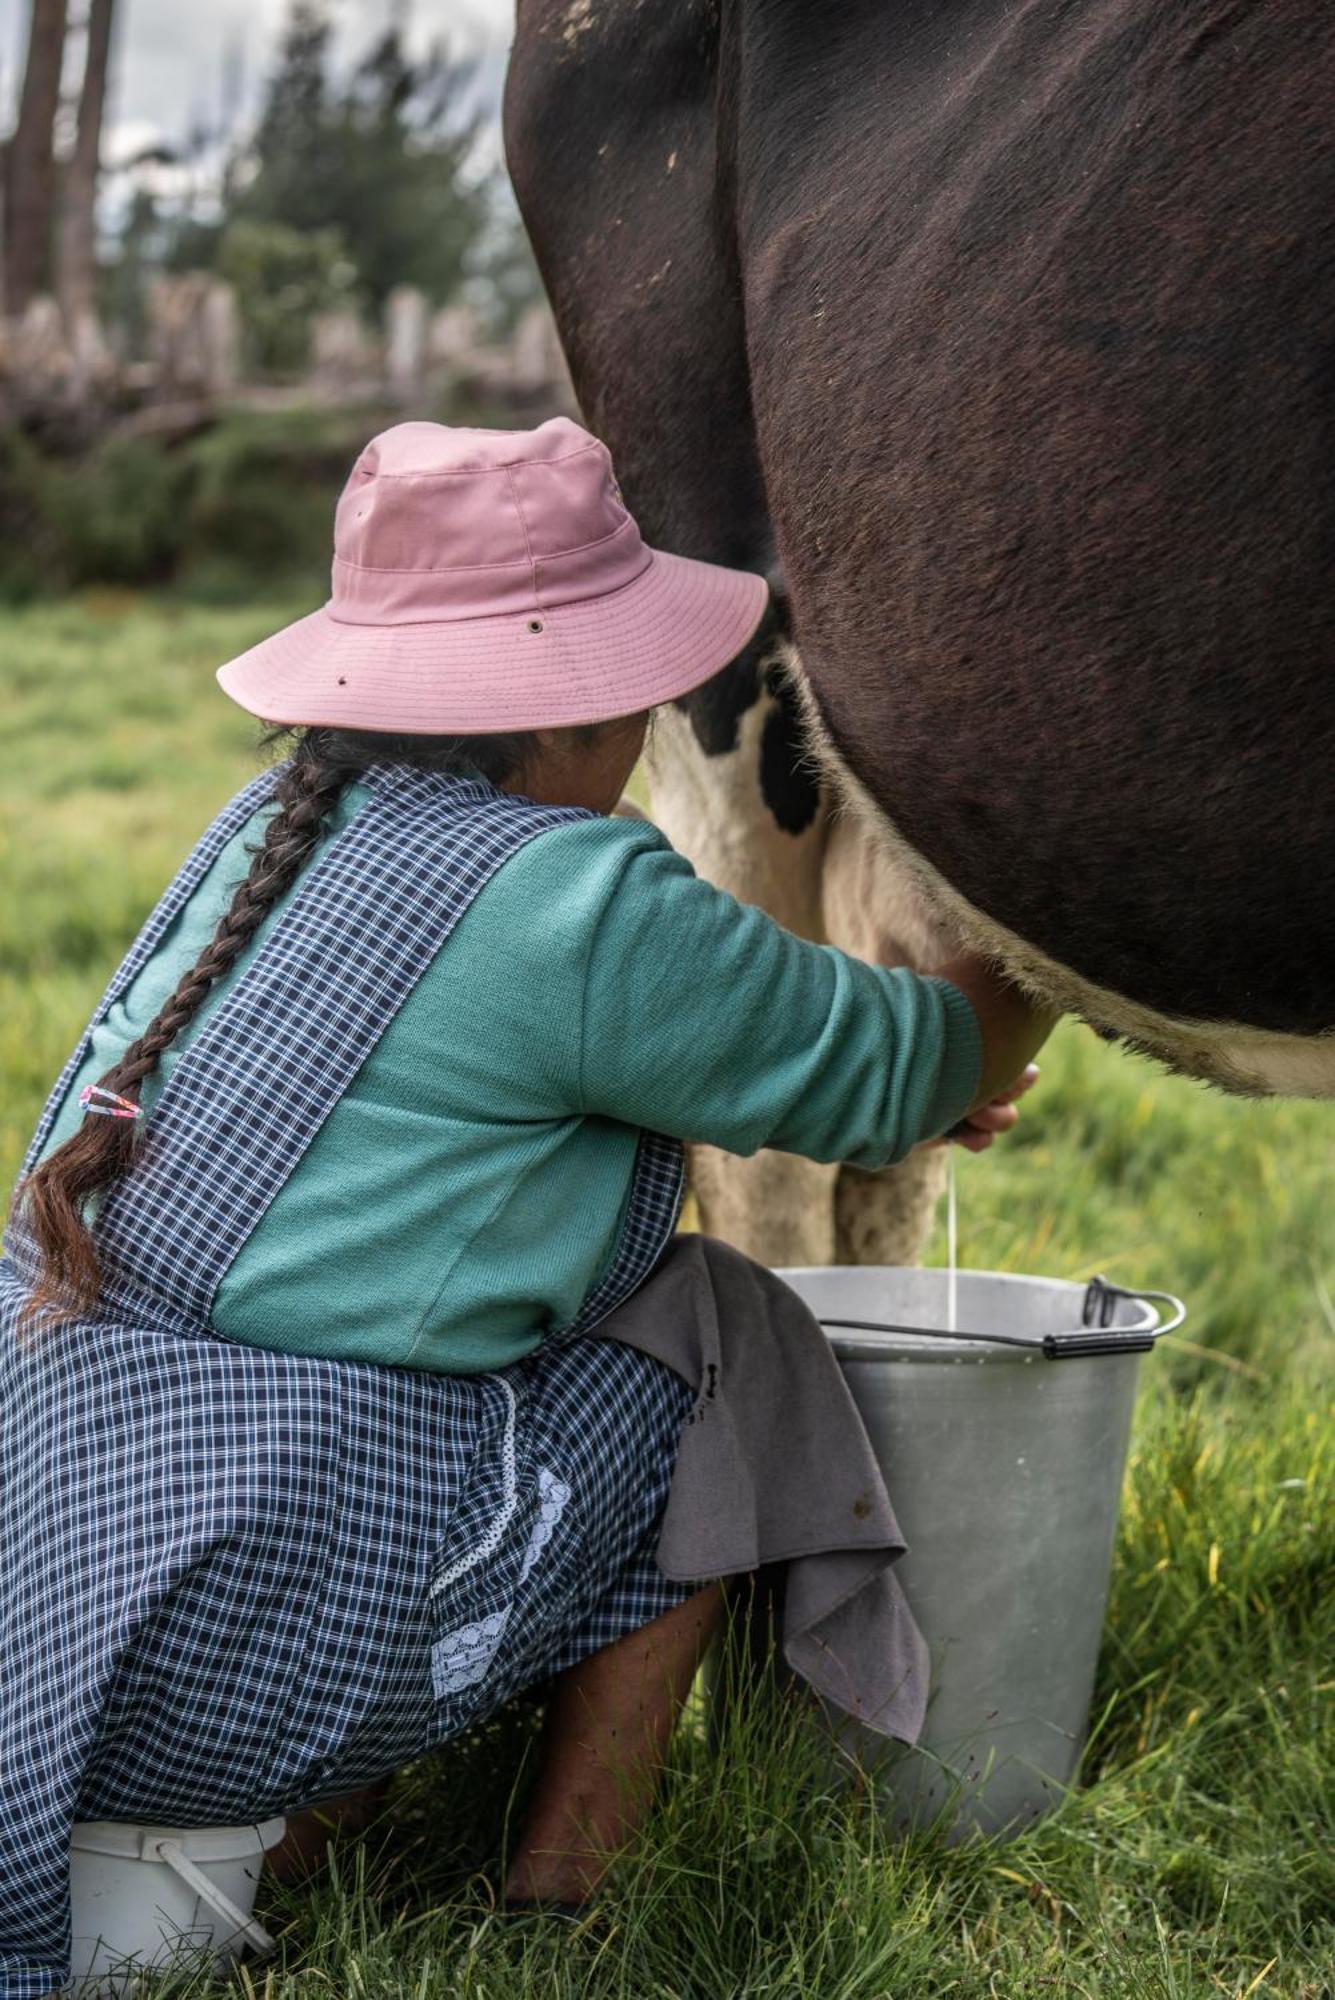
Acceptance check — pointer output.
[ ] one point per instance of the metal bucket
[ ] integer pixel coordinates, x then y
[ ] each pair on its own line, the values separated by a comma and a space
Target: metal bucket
1003, 1450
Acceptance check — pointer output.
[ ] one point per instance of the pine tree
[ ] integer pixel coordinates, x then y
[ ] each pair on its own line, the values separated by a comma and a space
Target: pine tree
282, 175
383, 158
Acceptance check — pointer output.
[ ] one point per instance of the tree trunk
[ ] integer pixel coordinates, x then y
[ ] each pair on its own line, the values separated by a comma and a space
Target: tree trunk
30, 159
77, 265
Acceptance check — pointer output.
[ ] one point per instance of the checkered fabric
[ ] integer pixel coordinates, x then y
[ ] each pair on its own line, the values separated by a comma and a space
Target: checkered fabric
174, 898
660, 1182
281, 1049
233, 1582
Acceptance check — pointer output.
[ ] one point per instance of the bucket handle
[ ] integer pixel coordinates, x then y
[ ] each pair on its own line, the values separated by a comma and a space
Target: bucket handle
222, 1905
1096, 1336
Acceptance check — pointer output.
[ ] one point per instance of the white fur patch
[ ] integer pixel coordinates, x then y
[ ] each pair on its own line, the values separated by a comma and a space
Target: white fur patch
712, 811
826, 883
579, 18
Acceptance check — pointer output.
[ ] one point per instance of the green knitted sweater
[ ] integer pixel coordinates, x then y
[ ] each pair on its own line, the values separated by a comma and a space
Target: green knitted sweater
469, 1186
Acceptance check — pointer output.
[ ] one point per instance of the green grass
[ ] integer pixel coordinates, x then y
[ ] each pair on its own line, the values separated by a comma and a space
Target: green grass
1197, 1856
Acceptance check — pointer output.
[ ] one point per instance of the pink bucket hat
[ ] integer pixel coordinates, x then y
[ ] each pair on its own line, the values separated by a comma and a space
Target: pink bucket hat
493, 580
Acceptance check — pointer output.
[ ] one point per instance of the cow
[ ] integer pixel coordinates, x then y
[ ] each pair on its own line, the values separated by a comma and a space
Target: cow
998, 333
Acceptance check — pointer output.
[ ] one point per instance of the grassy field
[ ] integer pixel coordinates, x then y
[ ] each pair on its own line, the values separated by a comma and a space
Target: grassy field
1197, 1856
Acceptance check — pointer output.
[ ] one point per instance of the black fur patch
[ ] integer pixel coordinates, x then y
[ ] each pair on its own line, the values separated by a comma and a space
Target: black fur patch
717, 708
1036, 408
789, 783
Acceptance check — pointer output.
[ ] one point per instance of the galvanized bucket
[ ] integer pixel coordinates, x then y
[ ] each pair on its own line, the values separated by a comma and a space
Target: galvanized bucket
1003, 1448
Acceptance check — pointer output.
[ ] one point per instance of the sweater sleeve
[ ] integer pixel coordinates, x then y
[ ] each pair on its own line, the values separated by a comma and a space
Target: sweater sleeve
704, 1019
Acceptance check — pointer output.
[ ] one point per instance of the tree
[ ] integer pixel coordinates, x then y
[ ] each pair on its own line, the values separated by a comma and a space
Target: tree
30, 168
77, 259
124, 281
383, 158
278, 177
282, 277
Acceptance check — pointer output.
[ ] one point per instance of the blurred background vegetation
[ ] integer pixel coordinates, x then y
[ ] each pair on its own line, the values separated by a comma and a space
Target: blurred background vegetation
187, 371
351, 184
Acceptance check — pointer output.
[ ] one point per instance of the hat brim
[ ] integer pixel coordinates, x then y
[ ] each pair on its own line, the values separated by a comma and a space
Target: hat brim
672, 627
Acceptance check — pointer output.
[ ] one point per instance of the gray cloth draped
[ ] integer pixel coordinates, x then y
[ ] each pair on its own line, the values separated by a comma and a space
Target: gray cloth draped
775, 1466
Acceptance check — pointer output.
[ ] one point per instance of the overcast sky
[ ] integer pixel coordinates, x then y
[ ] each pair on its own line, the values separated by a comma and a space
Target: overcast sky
172, 56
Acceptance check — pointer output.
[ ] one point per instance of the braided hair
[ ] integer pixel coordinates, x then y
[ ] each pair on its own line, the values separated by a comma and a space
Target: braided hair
54, 1198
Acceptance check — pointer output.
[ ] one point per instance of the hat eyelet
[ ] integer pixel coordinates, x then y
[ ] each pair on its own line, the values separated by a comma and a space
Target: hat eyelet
535, 625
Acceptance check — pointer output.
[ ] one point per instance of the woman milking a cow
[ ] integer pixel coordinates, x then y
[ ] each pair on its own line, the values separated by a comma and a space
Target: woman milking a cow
354, 1376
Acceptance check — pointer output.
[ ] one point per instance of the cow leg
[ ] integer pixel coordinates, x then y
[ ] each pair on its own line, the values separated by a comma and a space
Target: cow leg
870, 909
775, 1207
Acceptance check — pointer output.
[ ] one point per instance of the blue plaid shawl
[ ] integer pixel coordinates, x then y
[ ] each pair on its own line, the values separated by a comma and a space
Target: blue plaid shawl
233, 1582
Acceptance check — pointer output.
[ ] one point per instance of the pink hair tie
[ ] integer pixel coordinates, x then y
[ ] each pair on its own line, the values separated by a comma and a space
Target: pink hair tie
101, 1103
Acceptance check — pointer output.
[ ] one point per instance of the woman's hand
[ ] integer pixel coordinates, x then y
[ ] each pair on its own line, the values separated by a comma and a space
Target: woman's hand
977, 1131
1013, 1029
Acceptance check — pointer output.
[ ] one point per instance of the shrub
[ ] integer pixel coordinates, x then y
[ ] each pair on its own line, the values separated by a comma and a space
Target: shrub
122, 513
32, 542
283, 277
263, 492
250, 500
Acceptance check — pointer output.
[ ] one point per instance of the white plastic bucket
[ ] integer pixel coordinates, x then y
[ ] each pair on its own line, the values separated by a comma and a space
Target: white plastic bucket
1003, 1448
144, 1896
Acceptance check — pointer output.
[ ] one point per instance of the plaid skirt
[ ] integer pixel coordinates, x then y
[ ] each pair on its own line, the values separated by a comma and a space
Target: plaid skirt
234, 1582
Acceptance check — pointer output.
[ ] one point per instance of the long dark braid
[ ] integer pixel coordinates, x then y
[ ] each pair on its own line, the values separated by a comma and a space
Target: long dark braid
54, 1197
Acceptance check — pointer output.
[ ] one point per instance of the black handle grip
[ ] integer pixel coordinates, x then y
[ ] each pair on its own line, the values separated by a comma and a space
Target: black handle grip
1112, 1340
1098, 1336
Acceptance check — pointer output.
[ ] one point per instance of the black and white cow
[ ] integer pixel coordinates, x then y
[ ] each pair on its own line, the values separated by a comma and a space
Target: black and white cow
1001, 329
